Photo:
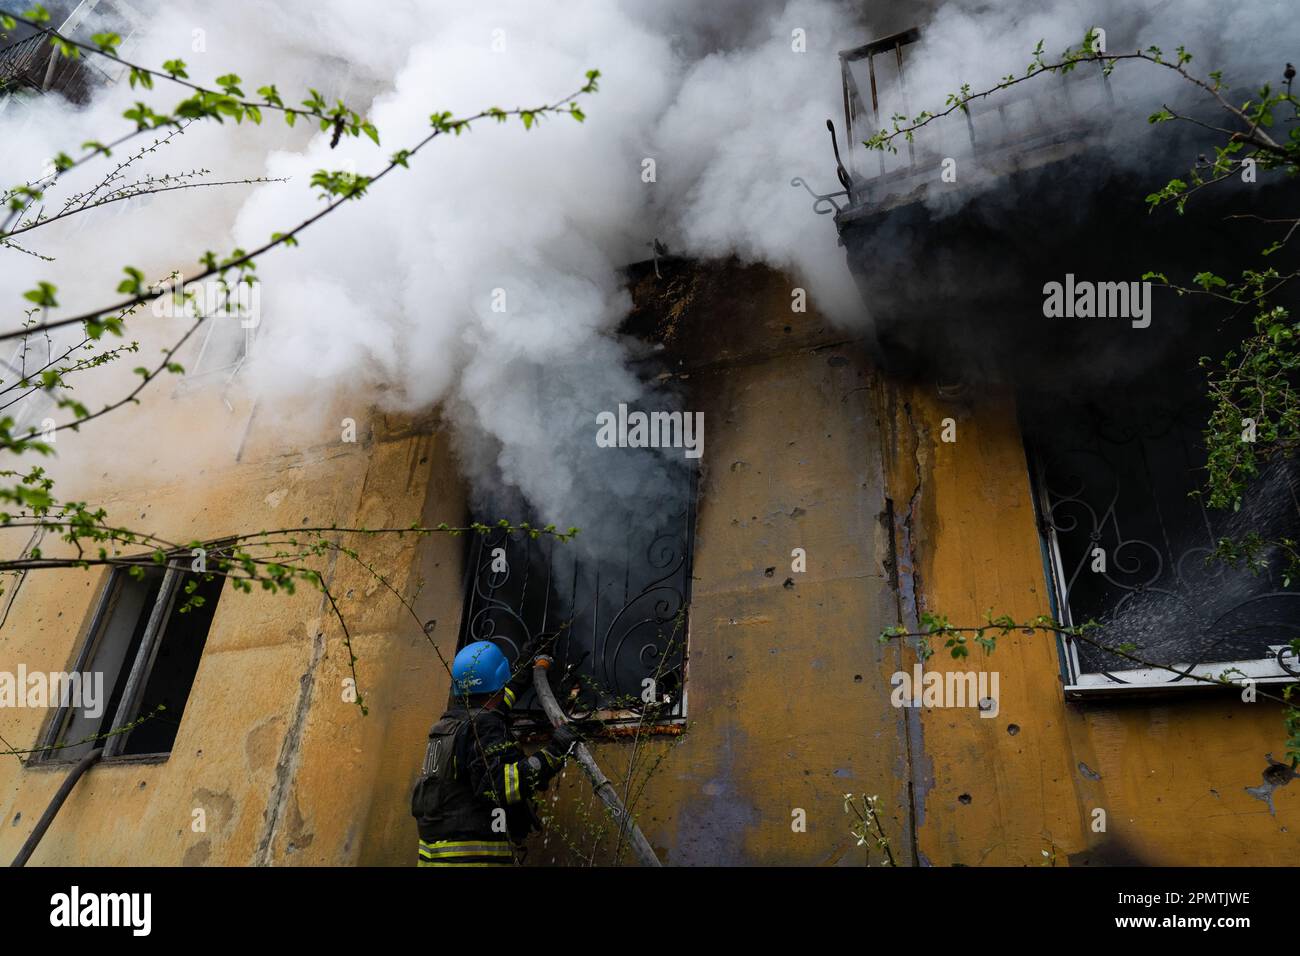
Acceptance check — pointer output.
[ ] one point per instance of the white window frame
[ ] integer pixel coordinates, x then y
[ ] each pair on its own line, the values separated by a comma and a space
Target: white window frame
1177, 677
137, 670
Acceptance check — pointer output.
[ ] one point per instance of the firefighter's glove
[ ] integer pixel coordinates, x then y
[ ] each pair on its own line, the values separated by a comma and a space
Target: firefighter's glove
563, 738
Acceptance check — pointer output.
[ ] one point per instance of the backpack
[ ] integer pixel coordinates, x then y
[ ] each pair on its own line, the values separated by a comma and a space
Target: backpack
439, 772
442, 801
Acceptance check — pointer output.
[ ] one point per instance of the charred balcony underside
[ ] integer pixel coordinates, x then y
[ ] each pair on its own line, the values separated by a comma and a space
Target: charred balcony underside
1045, 180
962, 294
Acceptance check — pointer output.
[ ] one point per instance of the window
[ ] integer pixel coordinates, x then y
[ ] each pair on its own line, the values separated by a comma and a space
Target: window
1128, 545
622, 620
143, 653
224, 342
12, 582
224, 347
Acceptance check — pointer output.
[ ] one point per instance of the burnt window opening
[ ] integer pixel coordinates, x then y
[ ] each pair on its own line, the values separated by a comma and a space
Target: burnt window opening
621, 619
1128, 544
140, 660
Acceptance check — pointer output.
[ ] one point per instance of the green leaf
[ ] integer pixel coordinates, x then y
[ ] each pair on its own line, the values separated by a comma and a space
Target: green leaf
142, 77
133, 284
106, 42
230, 84
42, 295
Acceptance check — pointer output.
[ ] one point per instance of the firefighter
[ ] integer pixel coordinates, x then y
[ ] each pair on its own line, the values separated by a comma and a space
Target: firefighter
473, 802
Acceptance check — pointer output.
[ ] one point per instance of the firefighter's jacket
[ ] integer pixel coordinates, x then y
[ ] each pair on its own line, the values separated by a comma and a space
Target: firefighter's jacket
480, 810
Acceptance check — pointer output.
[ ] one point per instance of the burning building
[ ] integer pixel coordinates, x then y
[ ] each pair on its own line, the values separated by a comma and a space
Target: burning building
722, 614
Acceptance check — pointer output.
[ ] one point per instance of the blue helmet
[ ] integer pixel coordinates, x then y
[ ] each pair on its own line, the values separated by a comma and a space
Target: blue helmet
479, 668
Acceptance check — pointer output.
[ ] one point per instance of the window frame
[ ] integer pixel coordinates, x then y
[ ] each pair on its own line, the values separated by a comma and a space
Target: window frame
38, 403
16, 583
617, 720
140, 667
1081, 684
197, 376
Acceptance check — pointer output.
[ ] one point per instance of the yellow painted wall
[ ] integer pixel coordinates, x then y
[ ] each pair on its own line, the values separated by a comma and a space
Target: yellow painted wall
788, 688
784, 712
285, 770
1171, 775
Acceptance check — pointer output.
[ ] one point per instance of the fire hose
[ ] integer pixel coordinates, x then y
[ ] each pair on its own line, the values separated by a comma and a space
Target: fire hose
65, 788
600, 784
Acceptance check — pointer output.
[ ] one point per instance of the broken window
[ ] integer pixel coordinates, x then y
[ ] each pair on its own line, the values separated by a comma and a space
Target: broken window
620, 620
1129, 545
139, 662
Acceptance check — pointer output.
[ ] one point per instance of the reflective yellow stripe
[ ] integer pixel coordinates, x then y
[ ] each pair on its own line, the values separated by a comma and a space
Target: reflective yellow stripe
502, 851
461, 846
510, 697
482, 848
512, 782
431, 863
465, 853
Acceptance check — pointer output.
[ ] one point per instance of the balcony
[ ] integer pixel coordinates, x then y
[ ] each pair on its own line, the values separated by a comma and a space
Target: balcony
29, 65
1050, 180
1017, 129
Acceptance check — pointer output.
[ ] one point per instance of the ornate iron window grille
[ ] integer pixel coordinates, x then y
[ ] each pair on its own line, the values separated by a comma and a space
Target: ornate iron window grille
621, 623
1123, 487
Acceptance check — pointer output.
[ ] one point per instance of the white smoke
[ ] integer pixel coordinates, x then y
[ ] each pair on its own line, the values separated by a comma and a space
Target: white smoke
393, 297
979, 44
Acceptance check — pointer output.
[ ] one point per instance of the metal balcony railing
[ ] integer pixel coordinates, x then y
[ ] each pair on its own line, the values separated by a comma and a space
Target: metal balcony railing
24, 63
30, 64
1010, 124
